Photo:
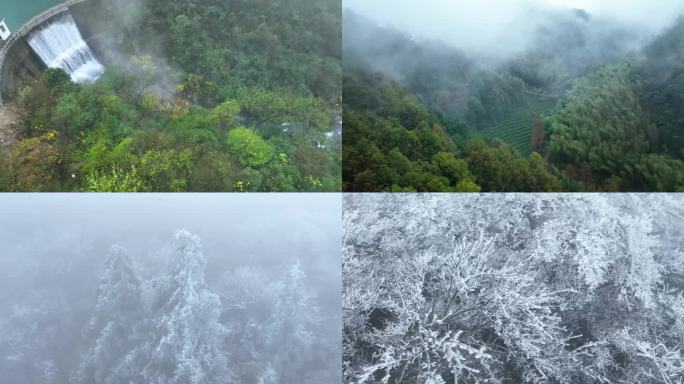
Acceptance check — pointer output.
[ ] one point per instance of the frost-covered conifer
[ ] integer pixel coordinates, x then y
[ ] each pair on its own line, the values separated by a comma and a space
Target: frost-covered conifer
248, 299
289, 333
114, 326
185, 340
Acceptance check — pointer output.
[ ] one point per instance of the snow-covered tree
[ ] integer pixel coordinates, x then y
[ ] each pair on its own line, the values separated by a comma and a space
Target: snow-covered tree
277, 331
268, 375
31, 335
512, 288
154, 324
114, 327
435, 310
248, 296
185, 338
289, 332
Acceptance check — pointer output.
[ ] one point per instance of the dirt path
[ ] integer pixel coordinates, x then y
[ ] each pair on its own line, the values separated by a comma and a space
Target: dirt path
9, 126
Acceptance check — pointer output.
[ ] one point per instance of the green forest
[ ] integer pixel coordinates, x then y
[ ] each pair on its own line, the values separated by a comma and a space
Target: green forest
198, 95
429, 118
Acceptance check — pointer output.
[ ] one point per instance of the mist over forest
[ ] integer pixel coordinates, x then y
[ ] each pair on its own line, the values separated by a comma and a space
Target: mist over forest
170, 289
499, 28
579, 99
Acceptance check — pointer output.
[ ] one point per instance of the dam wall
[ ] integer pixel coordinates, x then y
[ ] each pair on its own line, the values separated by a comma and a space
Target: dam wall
18, 62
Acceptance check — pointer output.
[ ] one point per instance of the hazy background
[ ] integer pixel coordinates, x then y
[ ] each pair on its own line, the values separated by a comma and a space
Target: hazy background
506, 26
265, 230
54, 248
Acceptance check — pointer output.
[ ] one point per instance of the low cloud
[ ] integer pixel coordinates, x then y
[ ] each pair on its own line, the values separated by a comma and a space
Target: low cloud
504, 27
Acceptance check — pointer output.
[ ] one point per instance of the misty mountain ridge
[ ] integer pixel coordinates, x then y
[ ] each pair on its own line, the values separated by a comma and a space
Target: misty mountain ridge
559, 46
569, 101
665, 54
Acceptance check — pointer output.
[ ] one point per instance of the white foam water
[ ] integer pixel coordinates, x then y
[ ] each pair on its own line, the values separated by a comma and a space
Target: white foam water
60, 45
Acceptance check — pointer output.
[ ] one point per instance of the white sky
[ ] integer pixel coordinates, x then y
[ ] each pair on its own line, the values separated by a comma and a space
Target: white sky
487, 23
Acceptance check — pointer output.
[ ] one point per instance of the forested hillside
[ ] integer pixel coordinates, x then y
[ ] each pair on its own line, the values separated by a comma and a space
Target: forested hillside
197, 96
394, 142
582, 106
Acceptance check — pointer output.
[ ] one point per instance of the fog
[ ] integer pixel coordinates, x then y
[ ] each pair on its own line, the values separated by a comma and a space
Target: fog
461, 57
269, 296
112, 23
502, 27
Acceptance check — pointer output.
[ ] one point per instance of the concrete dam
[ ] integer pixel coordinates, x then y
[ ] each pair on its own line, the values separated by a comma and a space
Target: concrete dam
52, 39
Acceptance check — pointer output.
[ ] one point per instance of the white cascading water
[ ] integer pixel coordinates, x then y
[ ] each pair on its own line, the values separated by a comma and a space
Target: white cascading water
60, 45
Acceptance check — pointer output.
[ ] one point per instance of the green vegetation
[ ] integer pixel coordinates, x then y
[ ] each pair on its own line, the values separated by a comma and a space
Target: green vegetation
213, 96
514, 131
516, 128
677, 86
392, 142
532, 124
603, 137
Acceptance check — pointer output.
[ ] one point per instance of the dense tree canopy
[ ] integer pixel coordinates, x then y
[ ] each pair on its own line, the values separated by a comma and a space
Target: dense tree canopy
577, 110
202, 106
512, 289
392, 142
605, 138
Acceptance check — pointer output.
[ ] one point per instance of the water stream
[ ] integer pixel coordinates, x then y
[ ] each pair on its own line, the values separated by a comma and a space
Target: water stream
60, 45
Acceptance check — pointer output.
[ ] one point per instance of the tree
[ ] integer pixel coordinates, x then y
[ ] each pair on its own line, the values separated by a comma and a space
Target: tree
289, 336
34, 164
278, 107
225, 114
512, 289
428, 328
57, 80
184, 344
537, 140
278, 327
115, 181
603, 125
158, 120
115, 325
394, 142
247, 146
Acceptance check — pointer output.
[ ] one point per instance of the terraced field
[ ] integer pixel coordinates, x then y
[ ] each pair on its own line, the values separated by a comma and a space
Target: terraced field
516, 129
677, 85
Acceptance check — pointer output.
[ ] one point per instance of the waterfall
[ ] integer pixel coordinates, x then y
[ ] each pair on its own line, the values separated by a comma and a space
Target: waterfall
60, 45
